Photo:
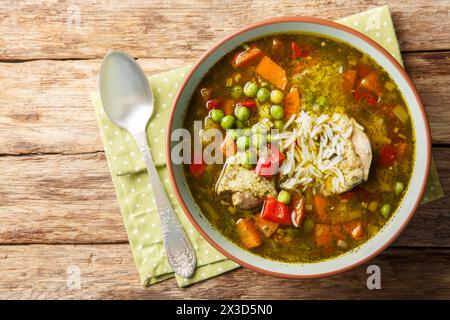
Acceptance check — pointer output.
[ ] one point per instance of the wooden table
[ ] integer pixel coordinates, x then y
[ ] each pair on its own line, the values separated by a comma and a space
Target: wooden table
58, 210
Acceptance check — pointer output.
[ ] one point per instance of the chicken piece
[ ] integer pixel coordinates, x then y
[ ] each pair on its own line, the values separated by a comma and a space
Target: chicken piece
356, 159
248, 190
244, 200
361, 144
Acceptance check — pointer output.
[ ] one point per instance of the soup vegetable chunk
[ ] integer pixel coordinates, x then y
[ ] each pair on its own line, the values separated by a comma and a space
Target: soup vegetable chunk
317, 144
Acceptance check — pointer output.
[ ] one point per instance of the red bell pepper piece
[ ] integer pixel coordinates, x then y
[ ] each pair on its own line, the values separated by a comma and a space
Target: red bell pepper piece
297, 52
214, 104
276, 211
387, 155
268, 166
197, 167
371, 100
347, 195
276, 155
248, 103
264, 167
298, 209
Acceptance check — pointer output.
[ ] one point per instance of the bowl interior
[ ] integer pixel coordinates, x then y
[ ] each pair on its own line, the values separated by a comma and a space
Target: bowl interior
414, 191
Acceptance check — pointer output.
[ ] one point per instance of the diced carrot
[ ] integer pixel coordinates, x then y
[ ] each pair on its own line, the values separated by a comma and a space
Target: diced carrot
305, 63
267, 227
349, 79
325, 234
355, 229
247, 232
228, 147
322, 235
370, 83
320, 206
228, 107
401, 149
247, 57
291, 103
272, 73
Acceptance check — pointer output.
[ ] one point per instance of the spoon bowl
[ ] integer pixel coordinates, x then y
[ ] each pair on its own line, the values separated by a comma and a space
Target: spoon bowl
128, 101
125, 92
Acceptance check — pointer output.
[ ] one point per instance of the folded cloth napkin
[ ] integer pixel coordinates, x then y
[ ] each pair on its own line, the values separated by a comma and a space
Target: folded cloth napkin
132, 185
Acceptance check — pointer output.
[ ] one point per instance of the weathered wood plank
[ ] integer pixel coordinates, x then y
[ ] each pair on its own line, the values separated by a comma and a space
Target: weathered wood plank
71, 199
47, 106
72, 29
108, 271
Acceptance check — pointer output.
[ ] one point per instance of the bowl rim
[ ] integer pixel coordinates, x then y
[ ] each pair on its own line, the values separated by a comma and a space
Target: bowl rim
328, 23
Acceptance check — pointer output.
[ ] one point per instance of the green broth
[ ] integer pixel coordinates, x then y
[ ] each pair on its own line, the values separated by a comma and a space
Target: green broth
318, 75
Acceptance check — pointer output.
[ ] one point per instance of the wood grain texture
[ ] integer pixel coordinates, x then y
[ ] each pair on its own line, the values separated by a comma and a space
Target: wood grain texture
71, 199
47, 105
153, 29
58, 208
108, 272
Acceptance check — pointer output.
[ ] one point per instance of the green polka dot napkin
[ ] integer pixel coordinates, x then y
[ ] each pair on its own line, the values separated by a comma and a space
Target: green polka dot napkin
131, 182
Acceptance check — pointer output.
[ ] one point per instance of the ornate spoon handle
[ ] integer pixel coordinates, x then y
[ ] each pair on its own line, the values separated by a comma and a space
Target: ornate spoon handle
179, 251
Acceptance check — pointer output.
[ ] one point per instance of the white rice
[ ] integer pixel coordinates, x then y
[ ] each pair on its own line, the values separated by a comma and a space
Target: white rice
314, 147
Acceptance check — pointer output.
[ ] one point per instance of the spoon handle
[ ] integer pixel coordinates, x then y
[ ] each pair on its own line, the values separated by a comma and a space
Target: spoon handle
179, 251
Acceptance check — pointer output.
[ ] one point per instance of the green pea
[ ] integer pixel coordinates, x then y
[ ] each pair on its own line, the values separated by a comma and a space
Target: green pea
386, 210
276, 112
263, 95
309, 97
398, 187
265, 84
322, 101
216, 115
276, 96
250, 89
247, 159
242, 143
236, 92
242, 113
247, 132
258, 140
284, 197
260, 127
278, 124
233, 134
227, 122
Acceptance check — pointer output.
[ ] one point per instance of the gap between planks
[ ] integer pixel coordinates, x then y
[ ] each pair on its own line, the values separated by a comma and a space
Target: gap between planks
165, 57
98, 152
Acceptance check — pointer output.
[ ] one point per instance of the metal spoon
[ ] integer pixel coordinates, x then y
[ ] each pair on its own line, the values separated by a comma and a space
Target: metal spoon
128, 101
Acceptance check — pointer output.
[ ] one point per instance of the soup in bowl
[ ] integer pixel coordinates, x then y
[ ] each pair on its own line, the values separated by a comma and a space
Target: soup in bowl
311, 147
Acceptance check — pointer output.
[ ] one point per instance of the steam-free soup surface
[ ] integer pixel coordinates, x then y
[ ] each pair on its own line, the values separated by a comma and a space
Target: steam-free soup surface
336, 168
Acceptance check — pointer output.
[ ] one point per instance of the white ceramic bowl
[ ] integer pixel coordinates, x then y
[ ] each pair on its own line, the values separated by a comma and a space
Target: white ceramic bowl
399, 219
